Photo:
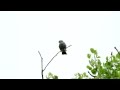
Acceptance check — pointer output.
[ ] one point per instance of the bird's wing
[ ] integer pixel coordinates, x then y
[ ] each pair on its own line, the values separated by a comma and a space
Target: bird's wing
62, 46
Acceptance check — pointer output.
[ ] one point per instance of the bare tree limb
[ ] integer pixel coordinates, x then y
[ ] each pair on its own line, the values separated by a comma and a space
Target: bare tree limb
42, 70
117, 50
111, 53
91, 74
53, 58
41, 65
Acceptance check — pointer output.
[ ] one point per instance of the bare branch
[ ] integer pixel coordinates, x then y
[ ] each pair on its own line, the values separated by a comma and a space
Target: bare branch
117, 50
41, 64
53, 58
91, 74
111, 53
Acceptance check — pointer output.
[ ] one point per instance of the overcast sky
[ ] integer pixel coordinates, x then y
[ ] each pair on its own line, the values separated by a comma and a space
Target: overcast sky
23, 33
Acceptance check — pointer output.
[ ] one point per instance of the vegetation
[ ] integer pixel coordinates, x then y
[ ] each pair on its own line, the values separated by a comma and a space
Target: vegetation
51, 76
110, 69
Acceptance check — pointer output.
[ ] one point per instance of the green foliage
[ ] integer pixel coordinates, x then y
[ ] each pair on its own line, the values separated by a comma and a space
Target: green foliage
51, 76
110, 69
118, 56
88, 55
81, 76
89, 67
92, 50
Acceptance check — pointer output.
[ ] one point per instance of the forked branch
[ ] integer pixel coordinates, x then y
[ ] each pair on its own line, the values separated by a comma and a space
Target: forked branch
41, 64
53, 58
42, 70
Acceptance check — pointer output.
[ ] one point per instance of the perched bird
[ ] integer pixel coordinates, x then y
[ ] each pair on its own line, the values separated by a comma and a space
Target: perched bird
62, 47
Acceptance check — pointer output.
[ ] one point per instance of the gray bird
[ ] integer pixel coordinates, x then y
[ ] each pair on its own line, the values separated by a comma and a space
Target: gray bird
62, 47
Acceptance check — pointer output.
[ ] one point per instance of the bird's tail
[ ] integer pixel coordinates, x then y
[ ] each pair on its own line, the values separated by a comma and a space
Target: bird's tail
63, 53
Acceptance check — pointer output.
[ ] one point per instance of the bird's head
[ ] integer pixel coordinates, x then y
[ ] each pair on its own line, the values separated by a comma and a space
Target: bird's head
60, 41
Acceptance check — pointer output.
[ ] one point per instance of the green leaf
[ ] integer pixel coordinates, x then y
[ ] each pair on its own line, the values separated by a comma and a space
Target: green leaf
114, 57
99, 62
78, 76
98, 56
85, 75
89, 55
89, 67
50, 74
55, 77
92, 62
94, 71
117, 55
92, 50
95, 52
107, 58
101, 70
118, 73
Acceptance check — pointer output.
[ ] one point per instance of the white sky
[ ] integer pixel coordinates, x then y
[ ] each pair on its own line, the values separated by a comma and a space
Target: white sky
23, 33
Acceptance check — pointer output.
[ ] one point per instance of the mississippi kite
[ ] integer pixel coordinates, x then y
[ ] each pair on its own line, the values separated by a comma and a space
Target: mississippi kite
62, 47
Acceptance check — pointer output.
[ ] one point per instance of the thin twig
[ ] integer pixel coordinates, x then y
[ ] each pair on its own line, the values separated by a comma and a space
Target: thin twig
111, 56
53, 58
91, 74
111, 53
117, 50
41, 65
